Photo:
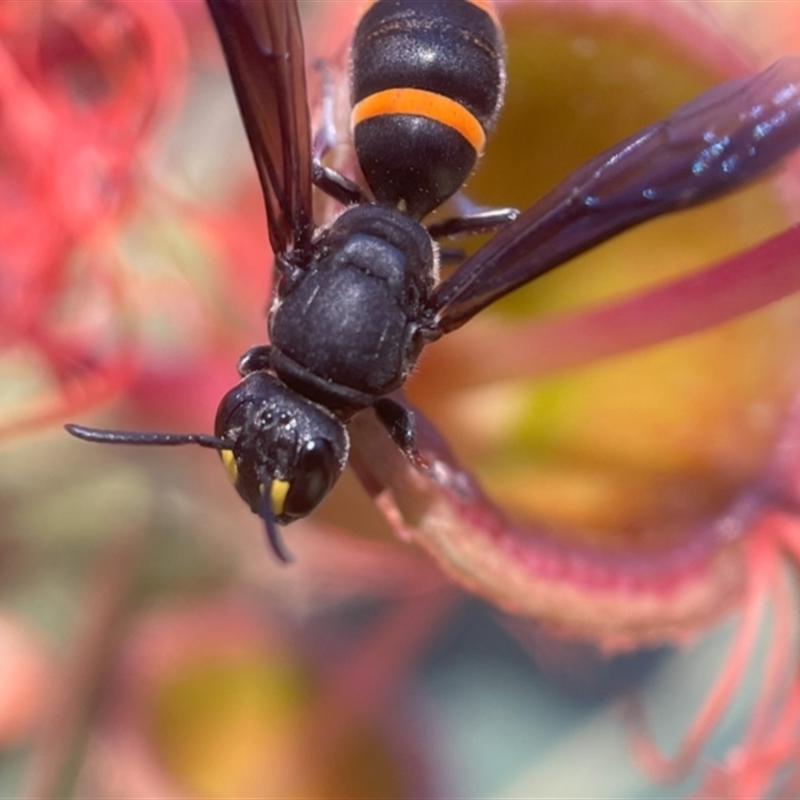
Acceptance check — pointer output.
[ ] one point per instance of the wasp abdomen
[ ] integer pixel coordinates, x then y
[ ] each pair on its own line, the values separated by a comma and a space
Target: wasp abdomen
427, 82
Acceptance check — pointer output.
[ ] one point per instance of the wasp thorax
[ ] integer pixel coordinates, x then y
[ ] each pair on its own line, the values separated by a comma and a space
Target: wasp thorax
283, 446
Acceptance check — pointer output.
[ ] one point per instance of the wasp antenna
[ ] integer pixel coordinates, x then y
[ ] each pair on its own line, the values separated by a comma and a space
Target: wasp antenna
139, 437
271, 528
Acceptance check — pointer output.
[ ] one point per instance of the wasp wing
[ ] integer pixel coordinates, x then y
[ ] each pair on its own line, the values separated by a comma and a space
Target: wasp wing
705, 148
263, 45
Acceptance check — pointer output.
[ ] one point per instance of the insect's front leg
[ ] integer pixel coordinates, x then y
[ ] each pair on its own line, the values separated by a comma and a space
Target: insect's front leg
399, 424
256, 359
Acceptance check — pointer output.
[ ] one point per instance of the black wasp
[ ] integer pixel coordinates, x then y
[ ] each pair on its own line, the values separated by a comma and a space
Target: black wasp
356, 300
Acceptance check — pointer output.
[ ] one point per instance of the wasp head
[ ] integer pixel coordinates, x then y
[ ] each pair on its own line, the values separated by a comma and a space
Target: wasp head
285, 452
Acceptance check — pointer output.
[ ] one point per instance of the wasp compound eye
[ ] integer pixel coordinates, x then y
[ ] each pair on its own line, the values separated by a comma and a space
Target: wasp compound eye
315, 473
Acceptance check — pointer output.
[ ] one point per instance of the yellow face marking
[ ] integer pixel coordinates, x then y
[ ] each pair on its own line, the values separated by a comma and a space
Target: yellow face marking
229, 462
277, 496
419, 102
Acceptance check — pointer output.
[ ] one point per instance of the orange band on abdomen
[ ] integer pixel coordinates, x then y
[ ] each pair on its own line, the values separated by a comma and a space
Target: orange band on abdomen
420, 103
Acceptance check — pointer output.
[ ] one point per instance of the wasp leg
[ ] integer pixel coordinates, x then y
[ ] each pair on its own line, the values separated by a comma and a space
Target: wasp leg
448, 256
256, 359
328, 180
399, 423
337, 186
478, 222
